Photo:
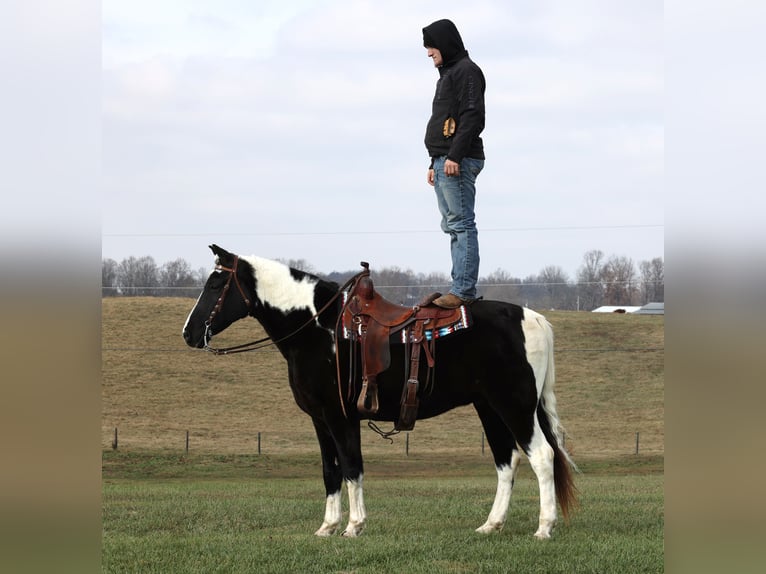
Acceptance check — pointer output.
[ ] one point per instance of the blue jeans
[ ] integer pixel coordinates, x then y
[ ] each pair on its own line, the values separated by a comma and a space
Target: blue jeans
456, 197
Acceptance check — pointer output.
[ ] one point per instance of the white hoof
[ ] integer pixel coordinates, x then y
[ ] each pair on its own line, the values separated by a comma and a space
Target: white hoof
490, 528
544, 529
544, 532
326, 530
353, 530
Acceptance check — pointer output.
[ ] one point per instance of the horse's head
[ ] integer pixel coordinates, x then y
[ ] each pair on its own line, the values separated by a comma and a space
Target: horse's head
227, 297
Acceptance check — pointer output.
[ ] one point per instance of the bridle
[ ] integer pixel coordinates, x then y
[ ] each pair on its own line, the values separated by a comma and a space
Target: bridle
219, 304
259, 344
232, 274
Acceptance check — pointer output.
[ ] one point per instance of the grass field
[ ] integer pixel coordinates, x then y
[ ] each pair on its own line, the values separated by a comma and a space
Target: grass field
213, 513
221, 507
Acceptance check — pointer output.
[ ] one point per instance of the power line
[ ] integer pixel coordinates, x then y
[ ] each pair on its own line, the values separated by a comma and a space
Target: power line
416, 285
382, 231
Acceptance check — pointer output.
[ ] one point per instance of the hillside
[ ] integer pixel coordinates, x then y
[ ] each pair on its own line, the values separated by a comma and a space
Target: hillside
610, 385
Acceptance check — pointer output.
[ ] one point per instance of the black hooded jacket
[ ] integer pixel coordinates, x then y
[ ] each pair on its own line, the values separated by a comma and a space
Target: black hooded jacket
459, 94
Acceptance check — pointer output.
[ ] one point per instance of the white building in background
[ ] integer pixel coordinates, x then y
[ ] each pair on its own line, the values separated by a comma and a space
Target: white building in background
648, 309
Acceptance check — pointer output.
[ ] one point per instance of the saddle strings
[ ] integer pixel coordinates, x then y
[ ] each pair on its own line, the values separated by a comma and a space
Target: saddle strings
384, 434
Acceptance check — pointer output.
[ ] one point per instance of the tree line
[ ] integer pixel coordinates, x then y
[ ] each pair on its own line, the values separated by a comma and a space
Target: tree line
600, 280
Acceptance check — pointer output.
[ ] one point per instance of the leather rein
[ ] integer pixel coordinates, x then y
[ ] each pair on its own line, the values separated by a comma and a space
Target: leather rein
265, 341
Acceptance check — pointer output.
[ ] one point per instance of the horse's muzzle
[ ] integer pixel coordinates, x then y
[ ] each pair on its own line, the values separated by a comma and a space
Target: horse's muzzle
198, 344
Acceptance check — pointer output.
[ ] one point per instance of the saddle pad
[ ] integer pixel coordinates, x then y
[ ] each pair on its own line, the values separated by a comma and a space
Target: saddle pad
464, 322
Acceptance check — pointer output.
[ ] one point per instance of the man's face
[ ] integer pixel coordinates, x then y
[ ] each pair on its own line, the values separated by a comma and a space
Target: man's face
436, 55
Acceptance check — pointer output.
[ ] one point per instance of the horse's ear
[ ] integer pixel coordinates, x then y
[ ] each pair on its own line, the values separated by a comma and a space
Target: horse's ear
219, 251
222, 257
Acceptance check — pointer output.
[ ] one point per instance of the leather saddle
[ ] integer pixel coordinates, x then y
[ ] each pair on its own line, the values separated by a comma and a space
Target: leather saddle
372, 321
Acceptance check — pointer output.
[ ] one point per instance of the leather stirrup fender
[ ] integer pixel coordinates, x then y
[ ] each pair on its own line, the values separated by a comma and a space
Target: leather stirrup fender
408, 412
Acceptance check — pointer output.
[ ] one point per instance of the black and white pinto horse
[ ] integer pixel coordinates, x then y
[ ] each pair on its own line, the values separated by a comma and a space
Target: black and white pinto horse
503, 365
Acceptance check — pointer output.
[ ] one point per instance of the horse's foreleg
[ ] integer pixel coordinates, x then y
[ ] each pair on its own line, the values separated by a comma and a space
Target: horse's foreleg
357, 514
332, 481
332, 515
348, 442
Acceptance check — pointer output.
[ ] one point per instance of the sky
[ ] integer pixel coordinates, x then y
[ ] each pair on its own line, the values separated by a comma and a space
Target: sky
294, 129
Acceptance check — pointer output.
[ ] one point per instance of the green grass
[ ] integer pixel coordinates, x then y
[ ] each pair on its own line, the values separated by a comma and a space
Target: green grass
414, 525
246, 513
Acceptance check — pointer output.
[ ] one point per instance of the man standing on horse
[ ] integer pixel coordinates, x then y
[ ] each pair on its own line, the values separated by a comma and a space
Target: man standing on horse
457, 153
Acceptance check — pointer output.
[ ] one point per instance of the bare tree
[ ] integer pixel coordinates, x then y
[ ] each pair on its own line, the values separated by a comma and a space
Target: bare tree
396, 285
501, 286
430, 283
619, 278
658, 269
201, 275
434, 280
652, 280
137, 276
556, 287
108, 277
532, 291
178, 277
590, 289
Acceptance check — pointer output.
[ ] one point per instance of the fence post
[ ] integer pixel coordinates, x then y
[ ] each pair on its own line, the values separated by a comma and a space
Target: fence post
407, 444
187, 442
636, 443
114, 442
482, 443
259, 442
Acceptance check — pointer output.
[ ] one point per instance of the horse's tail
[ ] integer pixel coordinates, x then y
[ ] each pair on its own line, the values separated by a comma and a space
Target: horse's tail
563, 465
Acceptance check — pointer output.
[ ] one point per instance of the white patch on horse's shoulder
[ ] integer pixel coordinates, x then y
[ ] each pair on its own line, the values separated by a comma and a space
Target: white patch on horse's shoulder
277, 287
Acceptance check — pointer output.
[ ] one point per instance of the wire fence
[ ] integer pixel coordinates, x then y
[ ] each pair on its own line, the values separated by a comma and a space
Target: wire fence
412, 443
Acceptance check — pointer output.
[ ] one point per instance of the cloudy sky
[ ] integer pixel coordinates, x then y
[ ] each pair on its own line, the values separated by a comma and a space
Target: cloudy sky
294, 129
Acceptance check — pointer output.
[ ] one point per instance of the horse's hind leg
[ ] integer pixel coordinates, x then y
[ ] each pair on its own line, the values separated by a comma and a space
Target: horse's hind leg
540, 454
507, 457
516, 407
332, 481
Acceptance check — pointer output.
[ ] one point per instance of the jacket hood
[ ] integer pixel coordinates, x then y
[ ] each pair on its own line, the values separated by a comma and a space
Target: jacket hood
444, 36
